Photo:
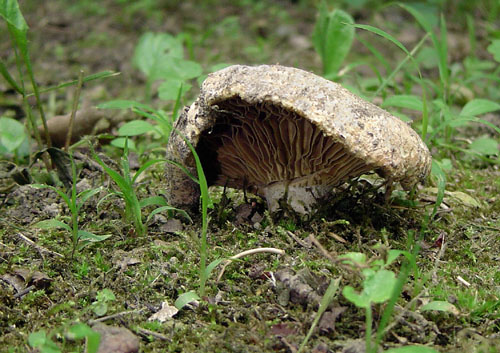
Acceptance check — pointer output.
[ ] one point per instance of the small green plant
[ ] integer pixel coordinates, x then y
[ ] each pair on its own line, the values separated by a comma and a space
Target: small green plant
104, 297
126, 185
18, 32
160, 57
332, 38
166, 126
380, 285
44, 342
13, 138
74, 201
325, 302
439, 120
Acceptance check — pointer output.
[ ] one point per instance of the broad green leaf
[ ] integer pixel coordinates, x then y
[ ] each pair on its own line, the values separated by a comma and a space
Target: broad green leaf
105, 295
91, 237
446, 164
12, 133
152, 50
9, 10
360, 300
462, 121
355, 257
332, 38
134, 128
178, 69
185, 299
379, 287
494, 49
51, 224
37, 339
412, 349
153, 200
100, 308
393, 254
440, 305
169, 90
79, 331
479, 106
93, 342
485, 146
120, 143
404, 101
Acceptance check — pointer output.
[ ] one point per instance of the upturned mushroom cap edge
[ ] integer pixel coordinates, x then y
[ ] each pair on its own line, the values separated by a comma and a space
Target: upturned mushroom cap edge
371, 138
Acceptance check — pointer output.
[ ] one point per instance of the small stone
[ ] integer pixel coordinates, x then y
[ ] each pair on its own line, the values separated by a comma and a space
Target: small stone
116, 339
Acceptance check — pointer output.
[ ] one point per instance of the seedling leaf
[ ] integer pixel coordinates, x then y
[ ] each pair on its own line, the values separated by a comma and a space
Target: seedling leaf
494, 49
91, 237
211, 266
134, 128
379, 287
51, 224
332, 38
185, 299
12, 133
37, 339
80, 331
169, 89
404, 101
355, 257
485, 146
440, 305
152, 50
479, 106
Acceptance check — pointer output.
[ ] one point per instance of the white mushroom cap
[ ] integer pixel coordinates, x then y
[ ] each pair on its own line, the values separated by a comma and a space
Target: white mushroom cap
283, 132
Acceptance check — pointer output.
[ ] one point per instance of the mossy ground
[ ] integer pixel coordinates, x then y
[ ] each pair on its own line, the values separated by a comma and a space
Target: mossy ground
244, 311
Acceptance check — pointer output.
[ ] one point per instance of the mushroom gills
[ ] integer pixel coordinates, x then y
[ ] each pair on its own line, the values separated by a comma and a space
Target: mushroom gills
274, 153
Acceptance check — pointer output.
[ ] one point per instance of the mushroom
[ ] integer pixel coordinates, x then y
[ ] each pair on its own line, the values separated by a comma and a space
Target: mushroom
287, 134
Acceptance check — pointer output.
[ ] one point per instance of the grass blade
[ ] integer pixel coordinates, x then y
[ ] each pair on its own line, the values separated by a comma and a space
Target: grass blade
6, 75
325, 301
96, 76
384, 34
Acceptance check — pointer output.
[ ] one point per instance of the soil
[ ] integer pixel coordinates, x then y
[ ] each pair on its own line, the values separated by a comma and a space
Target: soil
263, 302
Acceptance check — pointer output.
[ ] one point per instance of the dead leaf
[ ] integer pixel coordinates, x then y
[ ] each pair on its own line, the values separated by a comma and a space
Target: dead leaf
127, 261
33, 278
15, 281
165, 313
284, 329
